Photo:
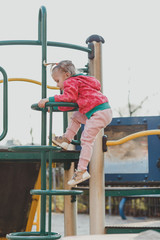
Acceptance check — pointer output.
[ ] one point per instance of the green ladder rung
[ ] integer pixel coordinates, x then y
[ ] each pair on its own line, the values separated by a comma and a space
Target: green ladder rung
55, 104
128, 229
33, 236
75, 142
56, 192
113, 192
34, 148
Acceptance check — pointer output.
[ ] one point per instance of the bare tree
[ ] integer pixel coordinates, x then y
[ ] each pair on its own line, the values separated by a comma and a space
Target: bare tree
131, 108
134, 108
31, 133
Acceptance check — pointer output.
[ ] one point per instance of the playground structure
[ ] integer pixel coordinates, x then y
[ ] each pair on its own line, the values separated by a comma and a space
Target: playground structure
51, 153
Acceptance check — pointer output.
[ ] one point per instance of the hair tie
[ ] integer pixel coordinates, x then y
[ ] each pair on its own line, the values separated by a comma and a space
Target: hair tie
46, 64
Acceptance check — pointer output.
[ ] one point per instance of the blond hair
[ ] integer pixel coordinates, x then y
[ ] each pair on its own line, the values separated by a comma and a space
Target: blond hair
64, 66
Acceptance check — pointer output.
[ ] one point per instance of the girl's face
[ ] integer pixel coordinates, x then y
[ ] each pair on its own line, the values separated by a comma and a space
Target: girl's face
59, 77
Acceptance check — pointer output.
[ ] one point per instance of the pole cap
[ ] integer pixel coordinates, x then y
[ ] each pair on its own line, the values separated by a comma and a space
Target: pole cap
96, 38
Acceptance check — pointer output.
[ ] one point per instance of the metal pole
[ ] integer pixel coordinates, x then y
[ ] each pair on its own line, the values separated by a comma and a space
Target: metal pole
5, 103
96, 167
54, 186
70, 207
50, 174
42, 35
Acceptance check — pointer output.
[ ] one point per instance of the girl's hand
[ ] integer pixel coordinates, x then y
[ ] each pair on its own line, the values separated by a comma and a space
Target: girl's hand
42, 102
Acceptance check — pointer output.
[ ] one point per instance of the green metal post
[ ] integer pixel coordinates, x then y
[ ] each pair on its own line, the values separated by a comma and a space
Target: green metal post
50, 126
43, 38
65, 121
5, 103
50, 173
39, 26
65, 125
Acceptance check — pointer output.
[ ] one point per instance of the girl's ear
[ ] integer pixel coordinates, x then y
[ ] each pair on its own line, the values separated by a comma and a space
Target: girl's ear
68, 74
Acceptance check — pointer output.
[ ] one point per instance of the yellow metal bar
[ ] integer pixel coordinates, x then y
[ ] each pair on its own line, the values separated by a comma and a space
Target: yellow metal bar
34, 205
37, 223
28, 80
133, 136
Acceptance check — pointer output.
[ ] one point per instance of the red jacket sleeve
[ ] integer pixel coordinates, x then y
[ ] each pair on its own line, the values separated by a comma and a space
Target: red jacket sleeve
70, 94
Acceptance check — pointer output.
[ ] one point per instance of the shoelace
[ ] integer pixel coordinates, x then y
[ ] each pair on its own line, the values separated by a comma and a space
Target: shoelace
75, 174
60, 137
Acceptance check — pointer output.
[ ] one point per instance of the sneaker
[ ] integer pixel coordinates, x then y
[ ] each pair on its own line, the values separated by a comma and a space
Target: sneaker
61, 141
78, 177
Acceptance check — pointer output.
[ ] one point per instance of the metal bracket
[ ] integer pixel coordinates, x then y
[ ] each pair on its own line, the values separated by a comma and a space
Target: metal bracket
73, 198
104, 141
91, 54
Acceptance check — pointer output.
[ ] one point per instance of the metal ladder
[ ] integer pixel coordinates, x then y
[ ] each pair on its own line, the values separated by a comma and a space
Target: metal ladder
43, 192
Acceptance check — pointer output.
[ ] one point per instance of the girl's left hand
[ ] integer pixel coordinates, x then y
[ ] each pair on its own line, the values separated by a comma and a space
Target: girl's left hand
42, 102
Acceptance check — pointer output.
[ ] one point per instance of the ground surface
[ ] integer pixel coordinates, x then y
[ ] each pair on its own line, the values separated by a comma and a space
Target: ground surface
83, 222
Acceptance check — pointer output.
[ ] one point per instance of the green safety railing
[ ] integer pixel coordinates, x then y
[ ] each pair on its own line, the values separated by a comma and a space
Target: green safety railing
56, 104
43, 149
49, 43
5, 103
61, 104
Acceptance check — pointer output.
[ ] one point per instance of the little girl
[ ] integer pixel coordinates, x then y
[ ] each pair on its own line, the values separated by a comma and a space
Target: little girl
94, 112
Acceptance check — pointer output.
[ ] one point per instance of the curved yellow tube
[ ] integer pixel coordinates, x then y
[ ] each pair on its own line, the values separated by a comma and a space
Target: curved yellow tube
133, 136
28, 80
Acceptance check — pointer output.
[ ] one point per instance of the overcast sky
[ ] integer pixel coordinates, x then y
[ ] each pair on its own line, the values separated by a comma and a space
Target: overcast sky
131, 54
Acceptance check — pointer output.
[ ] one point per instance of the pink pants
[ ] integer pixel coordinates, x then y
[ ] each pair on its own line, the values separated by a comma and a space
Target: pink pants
98, 121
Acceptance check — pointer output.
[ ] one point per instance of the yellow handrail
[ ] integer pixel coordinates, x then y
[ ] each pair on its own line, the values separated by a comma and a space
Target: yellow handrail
133, 136
28, 80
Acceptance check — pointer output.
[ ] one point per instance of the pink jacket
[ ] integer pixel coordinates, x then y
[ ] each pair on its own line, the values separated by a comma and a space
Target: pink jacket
83, 90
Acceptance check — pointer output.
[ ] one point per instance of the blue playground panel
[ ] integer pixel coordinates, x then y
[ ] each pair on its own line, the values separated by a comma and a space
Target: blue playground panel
151, 172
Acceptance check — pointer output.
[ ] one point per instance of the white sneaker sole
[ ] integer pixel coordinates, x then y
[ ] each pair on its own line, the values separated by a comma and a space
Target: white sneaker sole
81, 180
63, 145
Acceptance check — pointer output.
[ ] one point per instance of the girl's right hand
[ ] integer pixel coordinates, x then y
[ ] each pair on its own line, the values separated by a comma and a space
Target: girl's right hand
42, 102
